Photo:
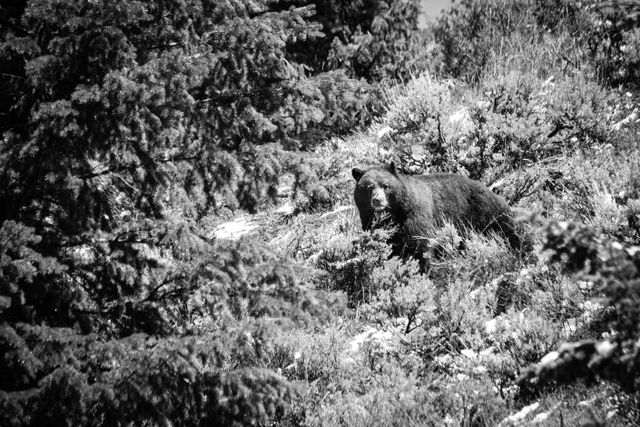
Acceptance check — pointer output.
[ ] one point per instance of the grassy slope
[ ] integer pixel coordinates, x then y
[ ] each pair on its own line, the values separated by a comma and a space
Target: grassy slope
458, 363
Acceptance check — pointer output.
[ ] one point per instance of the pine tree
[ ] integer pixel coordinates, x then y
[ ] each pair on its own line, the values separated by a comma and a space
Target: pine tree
123, 123
128, 113
369, 39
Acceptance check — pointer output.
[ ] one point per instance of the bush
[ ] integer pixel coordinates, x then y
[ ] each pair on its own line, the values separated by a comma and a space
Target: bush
509, 123
351, 269
401, 292
394, 401
614, 267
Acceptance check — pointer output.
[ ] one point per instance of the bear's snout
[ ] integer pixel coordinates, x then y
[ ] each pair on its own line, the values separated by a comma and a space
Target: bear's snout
378, 200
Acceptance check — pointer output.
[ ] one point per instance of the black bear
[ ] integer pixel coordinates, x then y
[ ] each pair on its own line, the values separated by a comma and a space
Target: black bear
418, 204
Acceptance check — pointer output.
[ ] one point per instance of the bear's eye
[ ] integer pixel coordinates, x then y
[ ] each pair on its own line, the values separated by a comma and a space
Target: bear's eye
385, 186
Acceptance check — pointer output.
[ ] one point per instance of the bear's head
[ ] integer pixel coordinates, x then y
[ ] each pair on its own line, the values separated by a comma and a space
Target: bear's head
377, 189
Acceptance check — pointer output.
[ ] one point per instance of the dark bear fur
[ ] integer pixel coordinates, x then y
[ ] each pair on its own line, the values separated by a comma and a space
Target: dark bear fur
418, 204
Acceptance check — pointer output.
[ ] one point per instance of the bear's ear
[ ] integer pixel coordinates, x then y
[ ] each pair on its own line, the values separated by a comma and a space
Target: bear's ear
357, 173
392, 168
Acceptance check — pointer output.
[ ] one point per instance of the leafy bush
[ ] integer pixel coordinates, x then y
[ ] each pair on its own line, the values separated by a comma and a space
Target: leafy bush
394, 399
524, 338
401, 292
351, 269
509, 123
614, 267
522, 121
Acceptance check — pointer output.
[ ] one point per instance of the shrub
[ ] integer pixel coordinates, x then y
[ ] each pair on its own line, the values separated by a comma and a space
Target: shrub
400, 292
509, 123
399, 400
615, 268
351, 269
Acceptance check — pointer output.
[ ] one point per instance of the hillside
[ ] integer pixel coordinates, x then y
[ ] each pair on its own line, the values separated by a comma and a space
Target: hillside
180, 244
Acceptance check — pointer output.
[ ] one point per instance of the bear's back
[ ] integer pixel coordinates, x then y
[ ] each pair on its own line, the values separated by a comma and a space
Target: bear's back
457, 199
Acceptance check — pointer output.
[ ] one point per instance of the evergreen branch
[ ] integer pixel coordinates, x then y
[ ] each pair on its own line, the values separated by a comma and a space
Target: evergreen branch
259, 14
227, 99
177, 158
171, 293
12, 76
166, 281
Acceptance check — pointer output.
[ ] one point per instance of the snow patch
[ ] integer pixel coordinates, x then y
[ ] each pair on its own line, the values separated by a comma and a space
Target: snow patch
462, 120
381, 343
383, 339
336, 211
384, 131
470, 354
519, 416
234, 230
286, 209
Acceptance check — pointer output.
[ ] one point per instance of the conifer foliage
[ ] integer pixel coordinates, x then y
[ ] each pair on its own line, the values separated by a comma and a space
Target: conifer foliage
124, 123
126, 126
124, 113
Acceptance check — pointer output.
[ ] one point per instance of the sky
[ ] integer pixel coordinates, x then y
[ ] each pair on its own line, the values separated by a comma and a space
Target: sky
432, 8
